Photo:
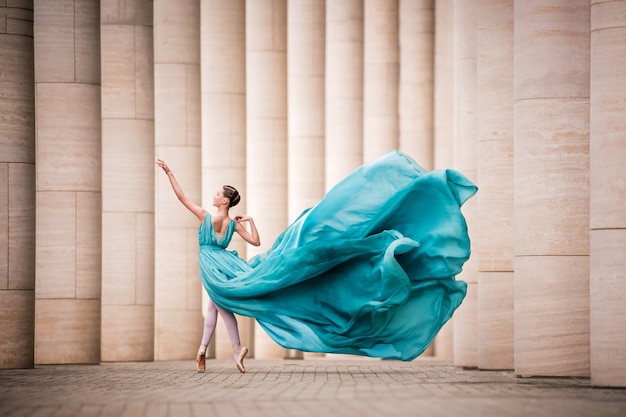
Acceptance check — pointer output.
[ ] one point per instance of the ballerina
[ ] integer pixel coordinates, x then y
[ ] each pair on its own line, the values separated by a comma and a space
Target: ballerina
215, 234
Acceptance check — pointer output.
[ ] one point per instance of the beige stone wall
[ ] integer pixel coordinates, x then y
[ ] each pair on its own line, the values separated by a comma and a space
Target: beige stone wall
552, 188
127, 181
17, 187
68, 236
607, 217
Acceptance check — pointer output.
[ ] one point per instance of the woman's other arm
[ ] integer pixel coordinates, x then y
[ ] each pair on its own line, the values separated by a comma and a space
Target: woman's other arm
252, 236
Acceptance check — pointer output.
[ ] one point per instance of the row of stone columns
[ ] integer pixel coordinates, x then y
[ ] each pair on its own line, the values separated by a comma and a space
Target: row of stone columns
283, 99
549, 122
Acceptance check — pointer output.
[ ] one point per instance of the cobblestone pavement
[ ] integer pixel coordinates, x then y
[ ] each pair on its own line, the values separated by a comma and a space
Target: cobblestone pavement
311, 387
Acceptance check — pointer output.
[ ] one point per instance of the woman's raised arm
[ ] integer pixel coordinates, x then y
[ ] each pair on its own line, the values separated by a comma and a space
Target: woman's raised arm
198, 211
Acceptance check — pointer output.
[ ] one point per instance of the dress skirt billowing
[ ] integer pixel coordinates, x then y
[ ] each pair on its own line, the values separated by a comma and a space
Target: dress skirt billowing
369, 270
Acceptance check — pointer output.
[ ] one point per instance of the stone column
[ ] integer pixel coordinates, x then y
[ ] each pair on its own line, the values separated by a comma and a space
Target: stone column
68, 246
127, 181
444, 84
607, 193
551, 187
223, 75
416, 82
466, 318
17, 186
443, 123
494, 245
380, 78
305, 67
178, 291
266, 159
344, 89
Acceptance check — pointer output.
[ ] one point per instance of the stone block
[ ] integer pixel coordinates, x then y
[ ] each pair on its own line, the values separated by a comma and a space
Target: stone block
177, 32
144, 259
495, 205
4, 226
495, 320
560, 67
174, 106
118, 71
21, 227
552, 177
56, 245
17, 328
608, 120
127, 333
88, 244
172, 274
128, 165
178, 334
17, 136
118, 259
185, 163
68, 141
87, 41
144, 71
67, 331
223, 47
55, 50
465, 328
552, 315
607, 309
127, 13
266, 25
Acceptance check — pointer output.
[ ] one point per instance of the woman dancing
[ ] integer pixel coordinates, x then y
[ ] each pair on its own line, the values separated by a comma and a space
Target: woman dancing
369, 270
215, 234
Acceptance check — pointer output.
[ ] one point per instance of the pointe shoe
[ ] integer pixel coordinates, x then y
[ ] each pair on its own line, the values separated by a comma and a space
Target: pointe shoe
201, 362
242, 354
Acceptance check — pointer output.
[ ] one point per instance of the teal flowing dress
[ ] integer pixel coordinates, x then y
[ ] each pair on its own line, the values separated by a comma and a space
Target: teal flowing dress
369, 270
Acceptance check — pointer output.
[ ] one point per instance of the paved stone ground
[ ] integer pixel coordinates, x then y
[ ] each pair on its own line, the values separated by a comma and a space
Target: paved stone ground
312, 387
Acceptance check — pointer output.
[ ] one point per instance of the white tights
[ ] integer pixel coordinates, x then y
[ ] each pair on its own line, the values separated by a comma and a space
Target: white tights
210, 321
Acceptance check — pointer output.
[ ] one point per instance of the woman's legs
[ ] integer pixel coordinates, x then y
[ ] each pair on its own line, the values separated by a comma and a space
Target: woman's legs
239, 352
210, 321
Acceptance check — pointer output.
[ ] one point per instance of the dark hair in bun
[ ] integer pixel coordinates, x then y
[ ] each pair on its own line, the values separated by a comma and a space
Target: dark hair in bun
231, 194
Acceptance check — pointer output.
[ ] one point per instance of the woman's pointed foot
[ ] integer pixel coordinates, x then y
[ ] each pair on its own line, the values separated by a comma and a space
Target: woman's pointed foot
201, 361
239, 359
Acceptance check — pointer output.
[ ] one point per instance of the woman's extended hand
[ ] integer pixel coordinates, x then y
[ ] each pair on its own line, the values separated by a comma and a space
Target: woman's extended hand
162, 164
242, 218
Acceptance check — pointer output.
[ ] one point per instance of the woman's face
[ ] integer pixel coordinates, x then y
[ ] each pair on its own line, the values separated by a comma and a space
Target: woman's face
219, 198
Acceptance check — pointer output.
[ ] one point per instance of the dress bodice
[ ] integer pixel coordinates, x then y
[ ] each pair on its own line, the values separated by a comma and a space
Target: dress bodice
207, 236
